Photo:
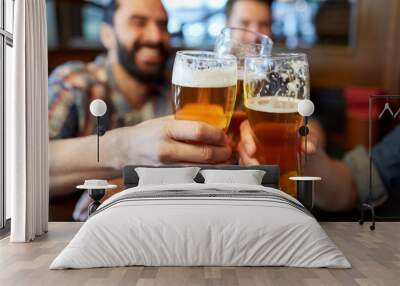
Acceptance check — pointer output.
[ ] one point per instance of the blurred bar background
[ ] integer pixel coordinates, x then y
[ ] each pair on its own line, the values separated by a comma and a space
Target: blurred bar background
353, 48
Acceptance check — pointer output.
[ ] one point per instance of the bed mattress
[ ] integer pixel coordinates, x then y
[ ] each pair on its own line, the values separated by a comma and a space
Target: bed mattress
201, 225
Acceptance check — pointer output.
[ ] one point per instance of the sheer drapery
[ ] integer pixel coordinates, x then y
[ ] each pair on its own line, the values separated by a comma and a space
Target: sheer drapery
27, 124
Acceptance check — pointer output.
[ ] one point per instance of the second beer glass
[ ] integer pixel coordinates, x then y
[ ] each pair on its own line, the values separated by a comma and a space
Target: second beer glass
204, 87
273, 87
241, 43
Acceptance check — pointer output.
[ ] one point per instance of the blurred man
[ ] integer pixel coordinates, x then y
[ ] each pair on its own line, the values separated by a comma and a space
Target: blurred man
335, 195
344, 184
130, 79
254, 15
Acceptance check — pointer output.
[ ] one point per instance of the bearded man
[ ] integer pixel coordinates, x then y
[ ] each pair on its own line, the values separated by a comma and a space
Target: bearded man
130, 79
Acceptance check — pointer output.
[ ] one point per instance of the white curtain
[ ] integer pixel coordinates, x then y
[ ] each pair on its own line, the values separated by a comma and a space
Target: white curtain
27, 125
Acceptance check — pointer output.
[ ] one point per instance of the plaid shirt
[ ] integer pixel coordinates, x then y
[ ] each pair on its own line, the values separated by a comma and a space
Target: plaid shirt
385, 171
74, 85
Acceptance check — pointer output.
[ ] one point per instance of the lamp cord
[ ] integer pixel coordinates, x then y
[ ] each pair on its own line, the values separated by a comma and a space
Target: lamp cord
305, 138
98, 139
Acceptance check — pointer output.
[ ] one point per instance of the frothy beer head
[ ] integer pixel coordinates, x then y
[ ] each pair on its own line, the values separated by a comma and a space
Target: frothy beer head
204, 87
273, 104
200, 76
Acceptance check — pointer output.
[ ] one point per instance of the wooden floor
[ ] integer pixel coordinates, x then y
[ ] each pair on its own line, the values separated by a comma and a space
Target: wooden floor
375, 257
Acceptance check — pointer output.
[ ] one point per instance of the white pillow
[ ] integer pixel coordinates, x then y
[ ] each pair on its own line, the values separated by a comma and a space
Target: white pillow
164, 176
248, 177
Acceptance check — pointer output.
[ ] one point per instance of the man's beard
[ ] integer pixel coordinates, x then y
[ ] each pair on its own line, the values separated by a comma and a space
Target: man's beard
127, 59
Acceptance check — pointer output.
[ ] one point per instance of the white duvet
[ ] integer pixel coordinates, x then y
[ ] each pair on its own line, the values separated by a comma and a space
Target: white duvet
190, 230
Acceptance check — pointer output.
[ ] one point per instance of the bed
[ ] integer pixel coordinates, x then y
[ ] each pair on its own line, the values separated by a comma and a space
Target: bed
198, 224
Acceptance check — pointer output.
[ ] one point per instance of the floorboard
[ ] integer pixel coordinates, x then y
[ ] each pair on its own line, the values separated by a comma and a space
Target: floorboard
374, 255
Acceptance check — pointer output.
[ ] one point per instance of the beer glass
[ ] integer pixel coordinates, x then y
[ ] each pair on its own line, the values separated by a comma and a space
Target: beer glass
241, 43
204, 87
273, 86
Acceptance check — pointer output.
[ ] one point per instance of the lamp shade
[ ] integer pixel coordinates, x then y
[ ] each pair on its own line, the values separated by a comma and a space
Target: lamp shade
305, 107
98, 107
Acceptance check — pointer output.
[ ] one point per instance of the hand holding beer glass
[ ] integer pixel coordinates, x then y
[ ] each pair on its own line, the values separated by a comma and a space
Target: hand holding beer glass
241, 43
273, 87
204, 87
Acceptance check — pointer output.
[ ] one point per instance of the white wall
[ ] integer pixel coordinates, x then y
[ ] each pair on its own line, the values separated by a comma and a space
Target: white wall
7, 82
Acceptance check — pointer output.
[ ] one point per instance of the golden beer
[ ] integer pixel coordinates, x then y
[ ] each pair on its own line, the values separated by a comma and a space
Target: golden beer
275, 121
204, 87
213, 105
239, 115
